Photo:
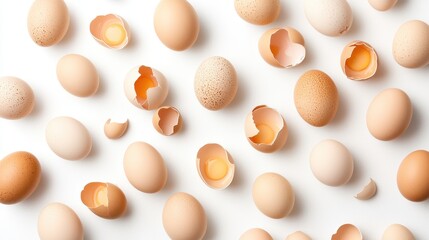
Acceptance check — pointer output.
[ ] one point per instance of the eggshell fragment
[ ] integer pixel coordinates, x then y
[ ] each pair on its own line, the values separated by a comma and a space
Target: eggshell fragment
368, 191
413, 176
256, 234
167, 120
16, 98
265, 129
110, 31
58, 221
215, 166
115, 130
397, 232
258, 12
382, 5
347, 231
282, 47
104, 199
183, 217
359, 60
389, 114
145, 87
298, 235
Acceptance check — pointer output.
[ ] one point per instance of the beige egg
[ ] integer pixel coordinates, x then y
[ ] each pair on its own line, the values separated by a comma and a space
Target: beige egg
58, 221
176, 24
115, 130
316, 98
145, 87
167, 120
77, 75
298, 235
331, 163
48, 21
68, 138
389, 114
397, 232
259, 12
215, 166
273, 195
382, 5
347, 231
256, 234
144, 167
413, 176
329, 17
359, 60
110, 31
368, 191
411, 44
16, 98
282, 47
184, 218
20, 174
265, 129
215, 83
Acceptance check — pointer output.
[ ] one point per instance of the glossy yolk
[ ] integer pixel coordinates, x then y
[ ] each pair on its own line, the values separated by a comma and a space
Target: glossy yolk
114, 34
216, 168
360, 59
100, 196
141, 86
265, 136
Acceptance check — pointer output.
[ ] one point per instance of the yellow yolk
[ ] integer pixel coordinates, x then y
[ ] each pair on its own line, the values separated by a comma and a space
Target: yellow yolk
114, 34
265, 136
100, 196
142, 85
360, 59
216, 168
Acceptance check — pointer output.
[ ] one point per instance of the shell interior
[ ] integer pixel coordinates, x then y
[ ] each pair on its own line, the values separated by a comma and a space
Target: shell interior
169, 119
143, 84
287, 52
359, 61
110, 31
267, 124
347, 231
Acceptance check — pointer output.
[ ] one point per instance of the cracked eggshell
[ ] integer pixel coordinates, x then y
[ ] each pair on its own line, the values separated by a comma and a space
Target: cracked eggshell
167, 120
329, 17
298, 235
58, 221
145, 87
102, 25
258, 12
368, 191
211, 152
104, 199
354, 54
266, 129
16, 98
397, 232
347, 231
256, 234
115, 130
282, 47
382, 5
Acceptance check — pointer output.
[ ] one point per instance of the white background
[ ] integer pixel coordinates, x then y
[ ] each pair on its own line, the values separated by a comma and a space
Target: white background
319, 209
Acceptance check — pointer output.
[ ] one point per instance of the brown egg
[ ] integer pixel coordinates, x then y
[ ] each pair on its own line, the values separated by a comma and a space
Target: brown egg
265, 129
382, 5
282, 47
298, 235
316, 98
167, 120
110, 31
114, 130
413, 176
258, 12
104, 199
215, 166
359, 60
20, 175
347, 231
256, 234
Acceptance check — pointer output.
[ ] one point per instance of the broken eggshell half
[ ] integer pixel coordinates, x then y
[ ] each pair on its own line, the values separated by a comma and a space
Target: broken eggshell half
282, 47
115, 130
110, 31
368, 191
347, 231
167, 120
104, 199
215, 166
359, 60
265, 129
145, 87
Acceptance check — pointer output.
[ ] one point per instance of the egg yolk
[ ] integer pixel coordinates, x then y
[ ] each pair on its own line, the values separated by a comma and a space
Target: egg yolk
114, 34
216, 168
100, 196
265, 136
142, 84
360, 58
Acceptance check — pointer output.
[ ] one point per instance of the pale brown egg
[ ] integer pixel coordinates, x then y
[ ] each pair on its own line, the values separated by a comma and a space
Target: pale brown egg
397, 232
413, 176
16, 98
358, 60
110, 31
167, 120
115, 130
382, 5
258, 12
347, 231
298, 235
256, 234
58, 221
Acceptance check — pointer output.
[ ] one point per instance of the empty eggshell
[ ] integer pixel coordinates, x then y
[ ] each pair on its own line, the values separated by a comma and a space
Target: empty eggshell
347, 231
382, 5
145, 87
115, 130
298, 235
368, 191
282, 47
167, 120
413, 176
110, 31
256, 234
215, 166
359, 60
16, 98
397, 232
258, 12
265, 129
104, 199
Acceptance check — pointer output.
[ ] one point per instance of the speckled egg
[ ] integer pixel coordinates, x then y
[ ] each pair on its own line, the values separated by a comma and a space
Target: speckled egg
259, 12
16, 98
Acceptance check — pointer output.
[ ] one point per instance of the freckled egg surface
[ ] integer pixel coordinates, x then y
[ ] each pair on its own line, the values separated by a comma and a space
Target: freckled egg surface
16, 98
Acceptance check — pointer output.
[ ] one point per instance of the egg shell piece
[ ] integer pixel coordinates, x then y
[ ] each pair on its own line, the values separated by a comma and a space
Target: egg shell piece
382, 5
263, 115
259, 12
58, 221
215, 151
298, 235
348, 53
144, 167
155, 95
397, 232
115, 130
112, 195
368, 191
100, 24
256, 234
167, 120
68, 138
48, 22
347, 231
183, 217
389, 114
282, 47
20, 174
16, 98
413, 176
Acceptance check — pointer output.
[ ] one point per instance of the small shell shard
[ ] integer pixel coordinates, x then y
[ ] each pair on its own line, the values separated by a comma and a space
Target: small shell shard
368, 191
167, 120
115, 130
110, 31
359, 60
347, 232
